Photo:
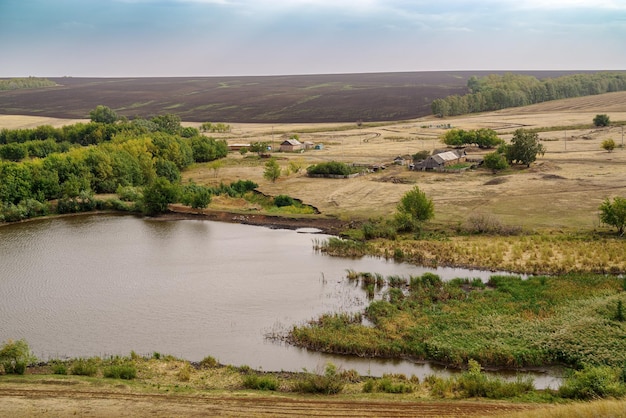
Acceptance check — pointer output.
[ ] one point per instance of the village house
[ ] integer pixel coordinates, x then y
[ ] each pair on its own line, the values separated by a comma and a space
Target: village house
291, 145
441, 160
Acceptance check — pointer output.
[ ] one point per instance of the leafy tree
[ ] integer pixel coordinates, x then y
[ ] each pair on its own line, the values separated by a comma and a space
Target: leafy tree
13, 152
440, 108
208, 149
414, 208
601, 120
167, 170
103, 114
15, 356
614, 213
158, 195
608, 145
259, 147
524, 147
271, 171
196, 196
495, 161
16, 182
169, 123
486, 138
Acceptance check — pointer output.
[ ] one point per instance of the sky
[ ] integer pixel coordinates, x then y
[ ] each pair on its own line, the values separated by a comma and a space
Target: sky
146, 38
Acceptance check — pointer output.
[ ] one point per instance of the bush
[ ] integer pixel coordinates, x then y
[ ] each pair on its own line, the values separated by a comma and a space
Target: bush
84, 367
593, 383
257, 382
208, 362
58, 368
283, 200
121, 371
386, 385
329, 383
332, 168
15, 356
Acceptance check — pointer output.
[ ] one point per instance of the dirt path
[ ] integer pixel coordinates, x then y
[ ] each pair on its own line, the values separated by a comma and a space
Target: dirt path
57, 401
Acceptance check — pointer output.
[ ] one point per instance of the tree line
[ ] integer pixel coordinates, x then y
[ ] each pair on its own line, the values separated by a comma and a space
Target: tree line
494, 92
144, 154
26, 83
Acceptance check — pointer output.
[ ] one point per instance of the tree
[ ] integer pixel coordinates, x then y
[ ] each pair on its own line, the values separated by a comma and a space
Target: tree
414, 208
259, 147
169, 123
524, 147
601, 120
495, 161
608, 145
271, 171
103, 114
158, 195
614, 213
196, 196
13, 152
15, 356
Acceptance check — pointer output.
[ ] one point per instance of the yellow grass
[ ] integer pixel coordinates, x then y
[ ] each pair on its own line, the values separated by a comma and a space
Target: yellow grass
611, 408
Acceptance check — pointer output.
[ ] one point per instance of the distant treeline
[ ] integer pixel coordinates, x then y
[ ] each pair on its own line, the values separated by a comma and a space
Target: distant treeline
26, 83
495, 92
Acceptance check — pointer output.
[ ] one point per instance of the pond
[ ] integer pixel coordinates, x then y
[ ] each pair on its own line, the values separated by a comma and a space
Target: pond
105, 285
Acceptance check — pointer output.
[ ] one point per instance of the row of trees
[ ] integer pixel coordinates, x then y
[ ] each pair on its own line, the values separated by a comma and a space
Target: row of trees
495, 92
26, 83
483, 138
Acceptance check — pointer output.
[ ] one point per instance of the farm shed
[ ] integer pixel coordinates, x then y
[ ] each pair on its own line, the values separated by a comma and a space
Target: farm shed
291, 145
238, 147
441, 160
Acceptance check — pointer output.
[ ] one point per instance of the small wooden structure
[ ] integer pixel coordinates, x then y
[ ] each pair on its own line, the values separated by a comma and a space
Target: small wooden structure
439, 161
291, 145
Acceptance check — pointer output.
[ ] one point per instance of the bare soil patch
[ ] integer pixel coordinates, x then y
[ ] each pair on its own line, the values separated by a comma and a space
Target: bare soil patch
31, 400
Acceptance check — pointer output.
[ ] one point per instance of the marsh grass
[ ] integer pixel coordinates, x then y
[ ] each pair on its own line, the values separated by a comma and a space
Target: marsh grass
507, 322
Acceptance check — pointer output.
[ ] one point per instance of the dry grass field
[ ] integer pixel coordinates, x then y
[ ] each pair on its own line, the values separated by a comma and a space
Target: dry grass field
562, 189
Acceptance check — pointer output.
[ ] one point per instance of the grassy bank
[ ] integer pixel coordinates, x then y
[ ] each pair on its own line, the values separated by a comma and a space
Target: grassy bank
574, 320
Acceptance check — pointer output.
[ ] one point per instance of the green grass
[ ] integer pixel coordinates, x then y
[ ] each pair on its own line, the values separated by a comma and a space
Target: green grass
512, 323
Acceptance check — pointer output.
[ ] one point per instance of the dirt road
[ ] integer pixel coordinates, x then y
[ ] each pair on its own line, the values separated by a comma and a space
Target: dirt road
53, 400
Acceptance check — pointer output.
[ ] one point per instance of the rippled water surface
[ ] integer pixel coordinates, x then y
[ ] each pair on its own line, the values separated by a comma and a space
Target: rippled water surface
101, 285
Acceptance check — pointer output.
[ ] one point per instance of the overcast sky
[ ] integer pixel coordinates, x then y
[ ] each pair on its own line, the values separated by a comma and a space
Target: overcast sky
111, 38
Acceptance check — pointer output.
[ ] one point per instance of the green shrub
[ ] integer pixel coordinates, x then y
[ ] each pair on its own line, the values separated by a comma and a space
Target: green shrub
474, 383
15, 356
256, 382
329, 383
387, 385
593, 382
84, 367
332, 168
283, 200
58, 368
126, 371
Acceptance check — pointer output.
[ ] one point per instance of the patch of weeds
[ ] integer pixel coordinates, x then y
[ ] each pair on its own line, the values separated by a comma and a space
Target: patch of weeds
84, 367
329, 383
256, 382
126, 371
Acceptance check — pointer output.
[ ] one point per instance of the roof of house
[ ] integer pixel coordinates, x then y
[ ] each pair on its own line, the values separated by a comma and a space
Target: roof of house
446, 156
291, 142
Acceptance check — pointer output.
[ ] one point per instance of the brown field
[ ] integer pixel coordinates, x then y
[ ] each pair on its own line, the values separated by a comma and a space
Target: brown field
271, 99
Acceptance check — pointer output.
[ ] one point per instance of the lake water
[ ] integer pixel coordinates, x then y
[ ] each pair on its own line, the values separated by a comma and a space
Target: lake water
106, 285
